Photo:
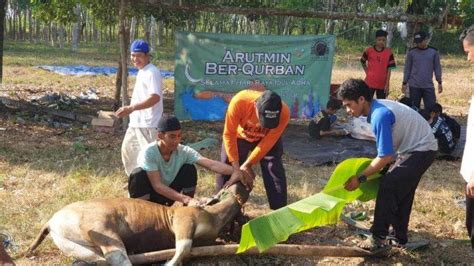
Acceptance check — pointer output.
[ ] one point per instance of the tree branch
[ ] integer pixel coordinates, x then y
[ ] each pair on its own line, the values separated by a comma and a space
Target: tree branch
222, 9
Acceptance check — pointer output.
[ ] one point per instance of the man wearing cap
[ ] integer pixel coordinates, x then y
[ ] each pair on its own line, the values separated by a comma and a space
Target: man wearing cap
420, 63
253, 127
378, 61
467, 167
166, 171
146, 106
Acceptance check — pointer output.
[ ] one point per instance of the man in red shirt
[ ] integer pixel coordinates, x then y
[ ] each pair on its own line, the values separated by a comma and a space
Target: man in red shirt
253, 127
377, 62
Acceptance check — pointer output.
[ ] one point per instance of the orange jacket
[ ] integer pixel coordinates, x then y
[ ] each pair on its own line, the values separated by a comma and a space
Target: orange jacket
241, 121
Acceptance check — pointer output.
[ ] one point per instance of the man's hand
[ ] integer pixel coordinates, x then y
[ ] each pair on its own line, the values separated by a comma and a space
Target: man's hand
243, 176
191, 202
470, 189
352, 184
124, 111
404, 89
387, 89
440, 88
249, 176
237, 176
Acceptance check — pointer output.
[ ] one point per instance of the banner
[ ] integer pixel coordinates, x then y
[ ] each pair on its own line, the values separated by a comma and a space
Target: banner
211, 68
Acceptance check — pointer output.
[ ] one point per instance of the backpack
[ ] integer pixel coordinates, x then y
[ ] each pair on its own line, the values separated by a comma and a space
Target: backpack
453, 126
444, 135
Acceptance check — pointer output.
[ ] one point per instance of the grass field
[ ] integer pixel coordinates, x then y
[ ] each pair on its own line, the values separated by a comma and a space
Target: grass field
43, 168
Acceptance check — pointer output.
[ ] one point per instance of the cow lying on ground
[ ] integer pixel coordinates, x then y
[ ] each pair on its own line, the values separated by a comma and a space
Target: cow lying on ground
100, 229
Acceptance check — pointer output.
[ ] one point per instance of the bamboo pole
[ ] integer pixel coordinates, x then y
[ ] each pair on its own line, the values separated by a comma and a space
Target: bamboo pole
280, 249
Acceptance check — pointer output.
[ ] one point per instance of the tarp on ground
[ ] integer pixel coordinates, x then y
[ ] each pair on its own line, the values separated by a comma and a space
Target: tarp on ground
299, 145
81, 70
211, 68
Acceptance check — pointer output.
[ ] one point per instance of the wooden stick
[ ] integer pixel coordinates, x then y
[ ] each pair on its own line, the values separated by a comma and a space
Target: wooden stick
281, 249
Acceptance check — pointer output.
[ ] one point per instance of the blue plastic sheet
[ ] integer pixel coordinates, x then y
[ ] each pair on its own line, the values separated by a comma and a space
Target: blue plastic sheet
81, 70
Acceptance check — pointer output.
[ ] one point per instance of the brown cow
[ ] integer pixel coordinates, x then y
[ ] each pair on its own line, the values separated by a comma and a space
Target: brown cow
99, 229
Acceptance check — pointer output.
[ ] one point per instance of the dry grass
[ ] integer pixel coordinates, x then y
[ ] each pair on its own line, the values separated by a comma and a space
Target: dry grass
44, 168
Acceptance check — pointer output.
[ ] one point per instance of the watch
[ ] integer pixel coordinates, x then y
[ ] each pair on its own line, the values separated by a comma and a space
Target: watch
362, 178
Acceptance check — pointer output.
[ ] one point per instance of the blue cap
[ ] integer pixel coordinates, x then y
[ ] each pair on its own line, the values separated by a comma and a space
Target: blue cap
139, 46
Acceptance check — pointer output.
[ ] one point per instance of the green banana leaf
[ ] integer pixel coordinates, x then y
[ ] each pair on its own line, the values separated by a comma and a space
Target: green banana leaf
320, 209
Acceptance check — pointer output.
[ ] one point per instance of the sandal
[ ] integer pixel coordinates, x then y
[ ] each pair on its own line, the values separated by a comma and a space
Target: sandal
394, 243
372, 243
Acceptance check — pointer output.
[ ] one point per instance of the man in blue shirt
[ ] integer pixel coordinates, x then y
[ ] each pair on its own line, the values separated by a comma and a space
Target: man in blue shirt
166, 171
403, 135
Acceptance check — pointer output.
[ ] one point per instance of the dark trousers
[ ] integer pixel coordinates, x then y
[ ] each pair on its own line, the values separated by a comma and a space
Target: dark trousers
428, 95
380, 93
273, 173
139, 185
396, 194
470, 218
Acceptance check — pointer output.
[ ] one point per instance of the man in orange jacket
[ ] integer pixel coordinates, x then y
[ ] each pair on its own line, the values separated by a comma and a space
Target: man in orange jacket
254, 124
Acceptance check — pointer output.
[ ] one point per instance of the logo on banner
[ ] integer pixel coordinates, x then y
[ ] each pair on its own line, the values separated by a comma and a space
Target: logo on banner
320, 49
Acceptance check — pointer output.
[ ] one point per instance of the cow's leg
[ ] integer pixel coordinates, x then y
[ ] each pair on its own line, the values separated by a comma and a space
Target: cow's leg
112, 247
183, 227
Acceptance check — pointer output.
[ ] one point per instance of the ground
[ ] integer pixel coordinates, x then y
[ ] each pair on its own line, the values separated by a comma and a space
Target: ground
46, 163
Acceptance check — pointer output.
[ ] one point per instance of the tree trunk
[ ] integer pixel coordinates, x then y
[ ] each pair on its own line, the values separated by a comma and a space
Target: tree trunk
10, 27
118, 85
111, 33
76, 28
62, 36
330, 24
153, 33
37, 36
53, 34
20, 26
133, 29
159, 31
95, 33
124, 43
46, 31
390, 28
15, 33
30, 26
2, 34
233, 19
146, 28
286, 26
303, 27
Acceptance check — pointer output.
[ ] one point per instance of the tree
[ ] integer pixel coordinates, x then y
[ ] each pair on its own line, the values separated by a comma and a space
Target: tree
2, 34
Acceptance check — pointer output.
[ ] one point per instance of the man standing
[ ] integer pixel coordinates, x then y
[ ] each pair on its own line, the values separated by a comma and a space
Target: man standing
467, 167
253, 127
420, 63
378, 61
146, 106
166, 173
402, 134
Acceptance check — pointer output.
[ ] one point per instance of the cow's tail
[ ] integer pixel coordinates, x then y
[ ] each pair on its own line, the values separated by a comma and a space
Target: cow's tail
43, 233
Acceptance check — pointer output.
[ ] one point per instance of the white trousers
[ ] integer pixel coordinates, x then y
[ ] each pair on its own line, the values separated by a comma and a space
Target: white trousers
134, 141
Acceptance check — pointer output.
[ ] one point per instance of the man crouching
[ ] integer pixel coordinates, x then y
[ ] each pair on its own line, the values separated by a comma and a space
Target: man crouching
166, 170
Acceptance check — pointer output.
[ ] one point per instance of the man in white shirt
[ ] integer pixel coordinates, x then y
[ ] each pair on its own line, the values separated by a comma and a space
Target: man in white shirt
467, 169
146, 106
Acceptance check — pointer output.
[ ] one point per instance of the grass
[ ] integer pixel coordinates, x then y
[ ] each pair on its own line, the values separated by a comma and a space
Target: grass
43, 168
